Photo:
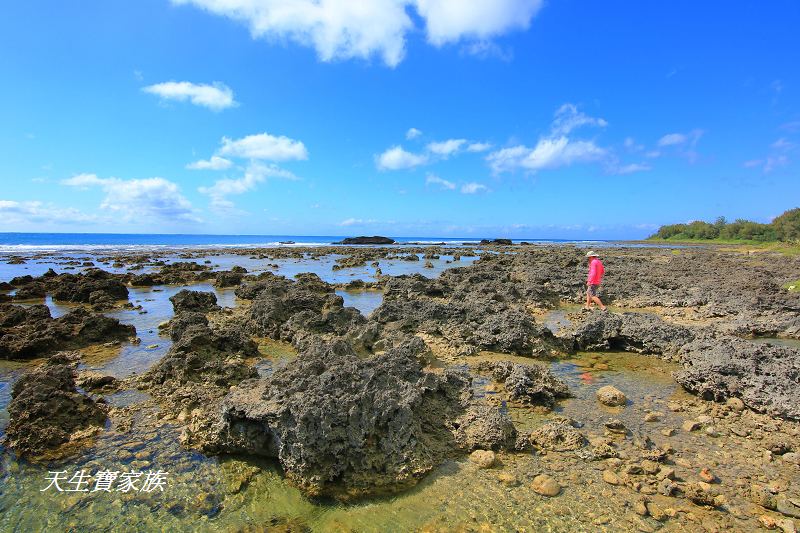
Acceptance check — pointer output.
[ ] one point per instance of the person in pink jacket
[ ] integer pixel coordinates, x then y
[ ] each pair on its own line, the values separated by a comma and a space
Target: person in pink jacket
593, 281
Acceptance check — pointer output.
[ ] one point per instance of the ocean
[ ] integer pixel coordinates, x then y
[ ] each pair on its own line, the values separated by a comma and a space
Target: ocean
22, 242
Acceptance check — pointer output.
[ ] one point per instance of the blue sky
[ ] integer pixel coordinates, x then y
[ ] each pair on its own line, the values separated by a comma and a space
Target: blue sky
521, 118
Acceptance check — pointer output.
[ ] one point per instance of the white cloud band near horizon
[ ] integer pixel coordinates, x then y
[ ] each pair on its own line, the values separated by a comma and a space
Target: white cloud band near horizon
134, 198
216, 96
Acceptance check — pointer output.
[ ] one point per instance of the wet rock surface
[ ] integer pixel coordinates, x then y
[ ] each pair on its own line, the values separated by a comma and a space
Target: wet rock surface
99, 288
347, 426
530, 384
46, 409
27, 332
764, 377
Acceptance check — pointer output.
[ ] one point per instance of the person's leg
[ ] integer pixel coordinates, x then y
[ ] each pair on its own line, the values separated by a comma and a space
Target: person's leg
588, 298
596, 299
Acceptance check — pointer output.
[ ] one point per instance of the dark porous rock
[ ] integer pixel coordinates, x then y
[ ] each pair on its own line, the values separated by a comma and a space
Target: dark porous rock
633, 332
94, 286
765, 377
228, 278
203, 355
484, 427
532, 384
183, 321
558, 435
46, 410
502, 242
27, 332
291, 310
366, 240
197, 301
347, 426
90, 380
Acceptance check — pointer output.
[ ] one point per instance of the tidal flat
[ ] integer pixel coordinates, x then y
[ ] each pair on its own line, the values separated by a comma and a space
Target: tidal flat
363, 389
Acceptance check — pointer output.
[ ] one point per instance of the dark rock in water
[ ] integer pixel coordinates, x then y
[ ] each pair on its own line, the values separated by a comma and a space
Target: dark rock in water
46, 410
197, 301
558, 435
533, 384
366, 240
91, 287
632, 332
97, 287
765, 377
89, 380
183, 321
27, 332
291, 310
502, 242
203, 355
346, 426
228, 278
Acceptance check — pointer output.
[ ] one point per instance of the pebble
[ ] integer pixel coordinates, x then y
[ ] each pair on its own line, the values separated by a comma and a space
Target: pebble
545, 485
507, 479
640, 508
708, 476
611, 478
691, 425
611, 396
652, 417
483, 458
668, 432
735, 404
792, 457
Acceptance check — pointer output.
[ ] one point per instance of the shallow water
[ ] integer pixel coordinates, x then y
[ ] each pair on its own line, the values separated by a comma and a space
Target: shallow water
228, 494
211, 494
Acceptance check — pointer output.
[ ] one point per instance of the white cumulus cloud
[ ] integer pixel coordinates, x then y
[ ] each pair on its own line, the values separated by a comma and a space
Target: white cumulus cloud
395, 158
215, 163
446, 148
254, 174
433, 179
547, 154
137, 197
346, 29
554, 150
568, 118
473, 188
478, 147
336, 29
413, 133
448, 21
13, 212
216, 96
264, 146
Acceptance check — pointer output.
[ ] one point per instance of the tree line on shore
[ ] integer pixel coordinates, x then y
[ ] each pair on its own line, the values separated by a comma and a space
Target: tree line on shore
784, 228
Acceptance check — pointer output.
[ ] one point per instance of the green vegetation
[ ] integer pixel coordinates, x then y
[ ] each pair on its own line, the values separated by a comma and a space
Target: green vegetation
793, 286
785, 228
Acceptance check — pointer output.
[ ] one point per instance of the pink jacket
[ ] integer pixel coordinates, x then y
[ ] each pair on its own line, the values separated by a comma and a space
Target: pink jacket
596, 271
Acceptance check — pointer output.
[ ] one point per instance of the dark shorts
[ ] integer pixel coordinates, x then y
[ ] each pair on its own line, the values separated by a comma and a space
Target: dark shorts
593, 290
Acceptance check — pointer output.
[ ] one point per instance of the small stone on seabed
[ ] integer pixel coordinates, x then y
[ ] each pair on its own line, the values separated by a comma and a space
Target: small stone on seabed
652, 417
736, 404
691, 425
483, 458
611, 478
611, 396
545, 485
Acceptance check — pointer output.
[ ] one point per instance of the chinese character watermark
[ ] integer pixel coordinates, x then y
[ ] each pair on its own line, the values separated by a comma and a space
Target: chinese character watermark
106, 481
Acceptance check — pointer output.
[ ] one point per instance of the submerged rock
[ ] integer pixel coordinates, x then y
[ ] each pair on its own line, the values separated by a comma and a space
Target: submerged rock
765, 377
345, 426
46, 409
533, 384
27, 332
611, 396
197, 301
